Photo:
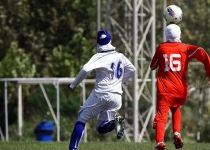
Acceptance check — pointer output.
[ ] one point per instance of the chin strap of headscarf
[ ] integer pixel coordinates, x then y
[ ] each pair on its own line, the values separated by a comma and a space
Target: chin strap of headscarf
173, 33
105, 48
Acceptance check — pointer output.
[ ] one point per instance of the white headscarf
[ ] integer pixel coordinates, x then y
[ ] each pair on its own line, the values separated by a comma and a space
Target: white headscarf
104, 48
173, 33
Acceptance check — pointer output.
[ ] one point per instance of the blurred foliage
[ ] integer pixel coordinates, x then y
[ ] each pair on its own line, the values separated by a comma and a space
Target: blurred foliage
41, 27
18, 62
54, 38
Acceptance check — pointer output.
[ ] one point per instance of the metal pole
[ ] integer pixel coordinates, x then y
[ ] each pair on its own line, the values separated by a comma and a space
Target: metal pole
199, 115
108, 15
20, 112
48, 102
164, 22
6, 110
84, 98
153, 39
58, 110
98, 15
135, 77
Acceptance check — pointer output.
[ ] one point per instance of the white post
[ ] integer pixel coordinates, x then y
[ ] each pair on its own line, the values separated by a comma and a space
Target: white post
153, 48
58, 110
6, 110
20, 111
164, 22
199, 115
135, 77
84, 98
98, 15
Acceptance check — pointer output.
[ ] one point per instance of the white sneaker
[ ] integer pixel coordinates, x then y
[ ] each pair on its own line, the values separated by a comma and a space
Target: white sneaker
119, 126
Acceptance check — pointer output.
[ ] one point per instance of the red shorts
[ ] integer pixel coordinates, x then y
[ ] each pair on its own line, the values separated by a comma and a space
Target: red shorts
170, 101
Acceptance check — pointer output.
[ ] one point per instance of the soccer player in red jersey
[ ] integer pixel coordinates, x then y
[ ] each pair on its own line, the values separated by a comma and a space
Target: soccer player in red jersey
172, 58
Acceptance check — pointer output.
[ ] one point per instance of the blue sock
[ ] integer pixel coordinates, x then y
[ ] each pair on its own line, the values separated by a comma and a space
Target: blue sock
76, 135
107, 126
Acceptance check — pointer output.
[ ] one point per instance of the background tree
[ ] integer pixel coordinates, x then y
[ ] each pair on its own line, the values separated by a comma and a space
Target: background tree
54, 38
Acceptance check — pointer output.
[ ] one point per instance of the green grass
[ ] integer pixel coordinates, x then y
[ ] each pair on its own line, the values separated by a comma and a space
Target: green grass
15, 145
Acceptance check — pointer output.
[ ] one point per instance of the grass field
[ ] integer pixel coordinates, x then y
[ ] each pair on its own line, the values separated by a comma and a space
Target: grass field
96, 146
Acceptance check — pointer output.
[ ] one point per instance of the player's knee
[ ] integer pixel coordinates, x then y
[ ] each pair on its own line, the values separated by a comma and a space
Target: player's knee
101, 131
106, 127
82, 120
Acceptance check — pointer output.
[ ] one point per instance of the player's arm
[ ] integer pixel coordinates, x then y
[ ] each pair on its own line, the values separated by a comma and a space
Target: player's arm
84, 72
155, 61
129, 70
202, 56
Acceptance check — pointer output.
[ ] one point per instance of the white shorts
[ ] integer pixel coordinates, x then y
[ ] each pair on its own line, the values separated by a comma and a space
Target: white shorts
104, 105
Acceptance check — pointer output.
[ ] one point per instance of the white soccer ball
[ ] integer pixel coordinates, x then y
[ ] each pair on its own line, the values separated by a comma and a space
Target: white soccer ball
173, 14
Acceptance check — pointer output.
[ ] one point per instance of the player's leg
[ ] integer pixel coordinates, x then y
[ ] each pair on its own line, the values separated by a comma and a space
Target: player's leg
90, 109
161, 118
76, 135
176, 118
176, 121
160, 123
107, 119
105, 126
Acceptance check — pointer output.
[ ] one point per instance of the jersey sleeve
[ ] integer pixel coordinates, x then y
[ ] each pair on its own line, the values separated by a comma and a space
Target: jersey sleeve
154, 63
129, 69
201, 55
84, 72
80, 77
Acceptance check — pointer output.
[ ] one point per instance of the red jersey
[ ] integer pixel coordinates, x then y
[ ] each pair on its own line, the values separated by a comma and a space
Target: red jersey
172, 58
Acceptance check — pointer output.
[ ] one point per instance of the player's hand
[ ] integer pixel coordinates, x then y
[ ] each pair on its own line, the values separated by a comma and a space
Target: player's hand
72, 89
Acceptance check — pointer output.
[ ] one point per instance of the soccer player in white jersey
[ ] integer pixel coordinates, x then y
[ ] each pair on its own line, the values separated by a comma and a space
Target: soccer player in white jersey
112, 69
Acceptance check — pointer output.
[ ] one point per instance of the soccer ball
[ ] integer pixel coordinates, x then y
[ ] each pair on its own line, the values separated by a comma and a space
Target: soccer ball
173, 14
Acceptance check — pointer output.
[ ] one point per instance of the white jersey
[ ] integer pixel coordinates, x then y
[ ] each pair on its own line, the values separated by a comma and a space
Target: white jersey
112, 69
